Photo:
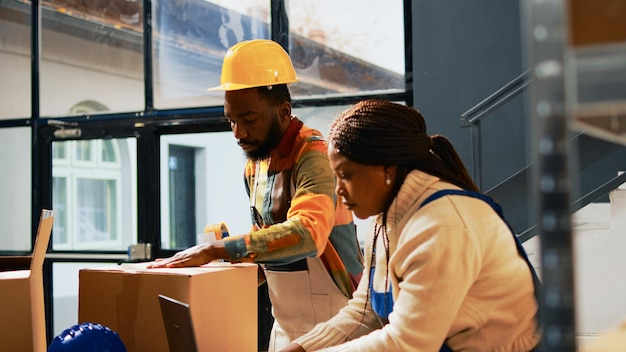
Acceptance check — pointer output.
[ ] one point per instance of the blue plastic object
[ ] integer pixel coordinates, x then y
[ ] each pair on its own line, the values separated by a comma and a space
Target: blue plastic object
87, 337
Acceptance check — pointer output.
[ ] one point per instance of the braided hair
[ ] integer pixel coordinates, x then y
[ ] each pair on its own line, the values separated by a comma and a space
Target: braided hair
380, 132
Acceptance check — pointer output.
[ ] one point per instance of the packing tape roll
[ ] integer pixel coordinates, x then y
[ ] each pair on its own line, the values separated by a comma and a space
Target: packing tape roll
219, 230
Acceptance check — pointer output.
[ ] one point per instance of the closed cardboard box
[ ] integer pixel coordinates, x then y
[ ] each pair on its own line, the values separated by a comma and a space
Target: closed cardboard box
23, 322
222, 298
612, 341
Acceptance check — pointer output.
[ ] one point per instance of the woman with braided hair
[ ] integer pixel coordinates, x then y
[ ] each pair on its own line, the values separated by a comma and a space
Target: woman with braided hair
443, 272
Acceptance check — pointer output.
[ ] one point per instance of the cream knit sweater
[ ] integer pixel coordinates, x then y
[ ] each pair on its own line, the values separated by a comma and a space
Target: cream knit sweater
455, 275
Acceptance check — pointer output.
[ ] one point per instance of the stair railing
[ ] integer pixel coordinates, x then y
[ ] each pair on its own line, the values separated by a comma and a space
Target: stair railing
472, 117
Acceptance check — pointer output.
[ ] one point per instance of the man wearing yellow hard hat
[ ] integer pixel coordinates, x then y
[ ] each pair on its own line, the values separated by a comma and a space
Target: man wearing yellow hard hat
305, 242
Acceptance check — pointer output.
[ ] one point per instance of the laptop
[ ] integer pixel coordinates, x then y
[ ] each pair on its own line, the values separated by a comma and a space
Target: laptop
178, 325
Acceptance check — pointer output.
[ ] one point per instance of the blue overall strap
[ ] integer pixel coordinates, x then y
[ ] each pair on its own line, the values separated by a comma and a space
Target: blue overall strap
498, 209
445, 348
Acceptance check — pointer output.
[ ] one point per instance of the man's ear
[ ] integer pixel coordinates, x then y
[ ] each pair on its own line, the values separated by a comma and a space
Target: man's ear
284, 110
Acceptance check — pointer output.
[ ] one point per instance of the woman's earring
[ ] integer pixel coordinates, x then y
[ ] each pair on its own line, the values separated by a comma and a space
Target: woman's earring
387, 180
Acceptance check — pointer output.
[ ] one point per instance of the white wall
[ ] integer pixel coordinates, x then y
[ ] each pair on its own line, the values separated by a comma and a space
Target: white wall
599, 244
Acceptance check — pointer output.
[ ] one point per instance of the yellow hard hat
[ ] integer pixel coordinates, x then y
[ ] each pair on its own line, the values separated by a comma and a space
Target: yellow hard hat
255, 63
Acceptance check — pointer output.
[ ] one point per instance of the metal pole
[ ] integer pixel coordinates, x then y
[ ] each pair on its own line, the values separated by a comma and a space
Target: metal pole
547, 39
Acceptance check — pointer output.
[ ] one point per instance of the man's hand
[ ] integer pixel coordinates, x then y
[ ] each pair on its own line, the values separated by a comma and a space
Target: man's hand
194, 256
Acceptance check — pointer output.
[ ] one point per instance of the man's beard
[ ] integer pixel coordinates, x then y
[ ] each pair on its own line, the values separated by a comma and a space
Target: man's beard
266, 146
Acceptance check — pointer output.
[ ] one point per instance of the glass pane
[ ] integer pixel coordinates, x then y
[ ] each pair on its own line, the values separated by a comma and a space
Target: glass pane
108, 151
65, 293
190, 40
83, 150
91, 49
15, 59
15, 188
58, 151
59, 189
96, 200
201, 183
96, 203
336, 56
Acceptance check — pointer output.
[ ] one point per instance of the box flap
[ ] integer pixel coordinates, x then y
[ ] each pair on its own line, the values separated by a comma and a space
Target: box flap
44, 230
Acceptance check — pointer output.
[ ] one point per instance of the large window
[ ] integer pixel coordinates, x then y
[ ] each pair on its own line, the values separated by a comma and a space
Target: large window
148, 105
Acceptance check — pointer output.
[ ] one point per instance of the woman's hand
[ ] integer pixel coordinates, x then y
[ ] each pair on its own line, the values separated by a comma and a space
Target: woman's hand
294, 347
194, 256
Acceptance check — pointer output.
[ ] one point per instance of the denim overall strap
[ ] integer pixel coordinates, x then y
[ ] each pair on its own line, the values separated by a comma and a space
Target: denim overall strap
498, 209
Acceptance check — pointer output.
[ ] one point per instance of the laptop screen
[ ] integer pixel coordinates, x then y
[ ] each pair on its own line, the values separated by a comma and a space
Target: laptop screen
178, 325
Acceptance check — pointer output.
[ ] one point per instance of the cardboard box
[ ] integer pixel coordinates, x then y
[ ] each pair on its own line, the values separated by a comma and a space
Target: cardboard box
612, 341
23, 323
596, 22
222, 297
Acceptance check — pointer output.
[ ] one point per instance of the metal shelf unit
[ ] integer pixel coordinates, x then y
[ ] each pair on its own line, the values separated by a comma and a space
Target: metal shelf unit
577, 51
